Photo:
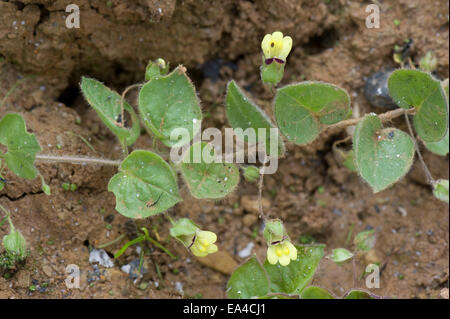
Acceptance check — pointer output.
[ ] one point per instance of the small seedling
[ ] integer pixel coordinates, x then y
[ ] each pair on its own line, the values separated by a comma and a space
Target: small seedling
14, 244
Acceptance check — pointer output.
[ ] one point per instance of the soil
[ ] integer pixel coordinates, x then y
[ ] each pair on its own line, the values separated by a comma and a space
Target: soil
217, 41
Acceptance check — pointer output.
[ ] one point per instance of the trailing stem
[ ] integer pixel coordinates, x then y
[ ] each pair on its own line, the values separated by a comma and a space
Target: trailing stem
122, 98
260, 188
76, 160
123, 142
383, 117
430, 179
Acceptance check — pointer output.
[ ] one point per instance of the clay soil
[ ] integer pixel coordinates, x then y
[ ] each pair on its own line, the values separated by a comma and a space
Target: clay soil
216, 40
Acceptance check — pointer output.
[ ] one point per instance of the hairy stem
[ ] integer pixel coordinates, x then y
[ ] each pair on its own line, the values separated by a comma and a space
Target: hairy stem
122, 113
355, 281
123, 144
430, 179
76, 160
260, 188
383, 117
122, 98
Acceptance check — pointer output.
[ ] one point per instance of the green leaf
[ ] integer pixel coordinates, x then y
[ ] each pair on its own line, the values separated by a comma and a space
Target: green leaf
428, 62
441, 147
242, 114
106, 103
358, 294
22, 146
45, 188
144, 186
184, 230
2, 182
301, 108
279, 296
155, 69
445, 87
293, 278
169, 102
183, 227
313, 292
440, 190
339, 255
382, 156
414, 88
365, 240
248, 280
251, 173
208, 180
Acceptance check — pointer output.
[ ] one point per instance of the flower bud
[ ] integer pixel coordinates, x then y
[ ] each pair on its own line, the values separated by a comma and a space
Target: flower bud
184, 230
251, 173
156, 68
274, 231
280, 249
275, 49
200, 242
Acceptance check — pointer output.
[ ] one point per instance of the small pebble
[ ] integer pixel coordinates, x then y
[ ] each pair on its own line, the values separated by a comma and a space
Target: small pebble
376, 90
244, 253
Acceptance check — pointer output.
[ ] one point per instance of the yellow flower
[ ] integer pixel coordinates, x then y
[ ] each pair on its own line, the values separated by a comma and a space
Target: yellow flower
204, 243
276, 47
283, 252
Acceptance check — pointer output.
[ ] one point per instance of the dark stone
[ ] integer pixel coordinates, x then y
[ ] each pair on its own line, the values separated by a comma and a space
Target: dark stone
376, 90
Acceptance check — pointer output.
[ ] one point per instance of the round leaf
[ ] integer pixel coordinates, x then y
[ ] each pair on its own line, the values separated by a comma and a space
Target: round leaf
313, 292
170, 102
106, 103
365, 240
248, 280
339, 255
414, 88
382, 156
144, 186
208, 180
440, 190
301, 108
242, 114
22, 146
293, 278
441, 147
183, 227
359, 294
